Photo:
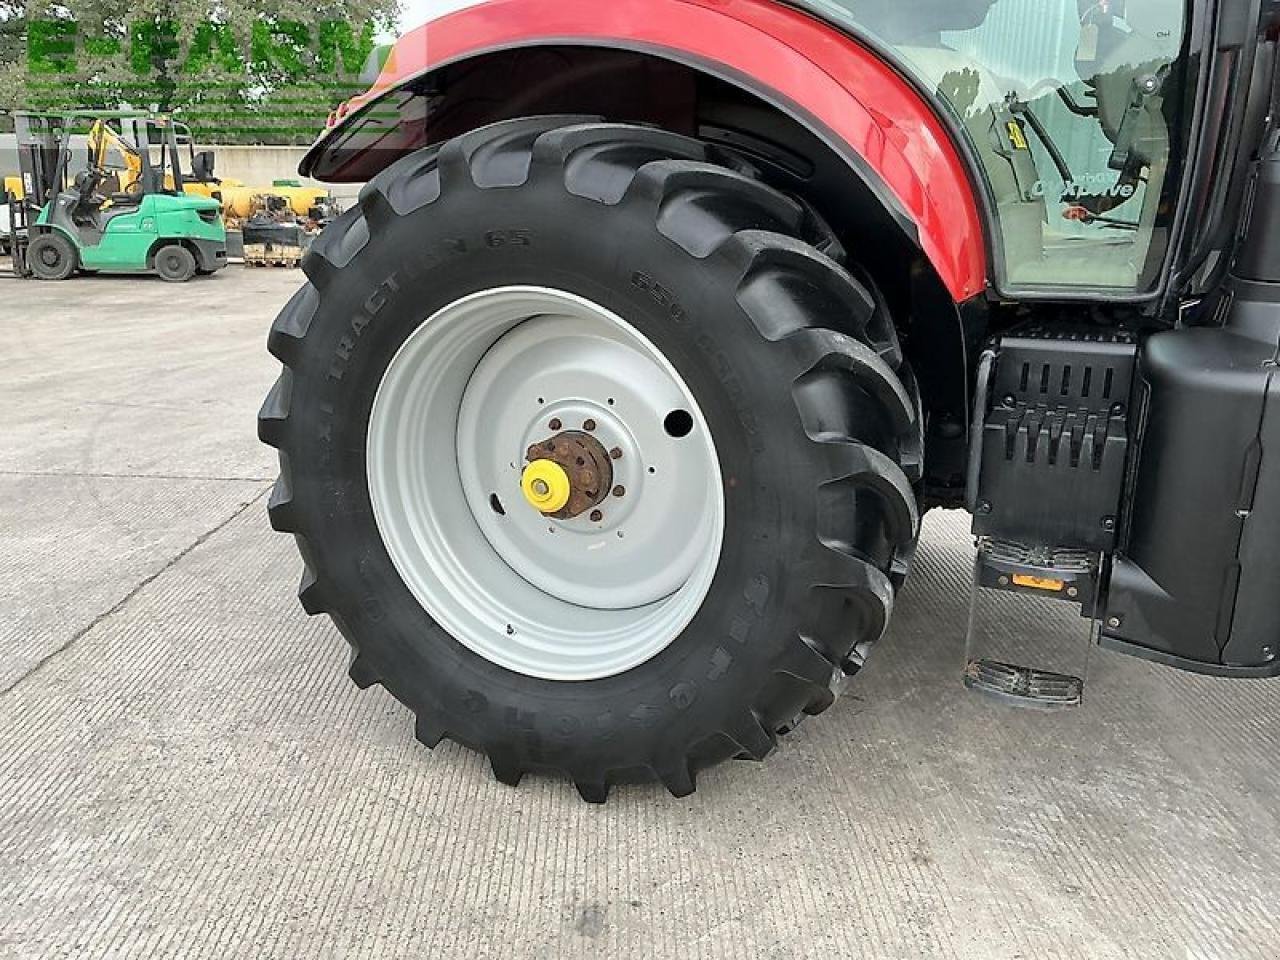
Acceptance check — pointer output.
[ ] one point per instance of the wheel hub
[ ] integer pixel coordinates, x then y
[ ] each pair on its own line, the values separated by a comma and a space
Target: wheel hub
546, 486
584, 465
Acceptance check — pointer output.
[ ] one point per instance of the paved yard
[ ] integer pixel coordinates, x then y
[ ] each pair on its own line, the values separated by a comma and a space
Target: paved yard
185, 770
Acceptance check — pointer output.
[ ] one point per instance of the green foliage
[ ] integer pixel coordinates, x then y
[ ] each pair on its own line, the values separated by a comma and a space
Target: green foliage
238, 71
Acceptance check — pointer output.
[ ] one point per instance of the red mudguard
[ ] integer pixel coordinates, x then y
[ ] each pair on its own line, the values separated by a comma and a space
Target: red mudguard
791, 58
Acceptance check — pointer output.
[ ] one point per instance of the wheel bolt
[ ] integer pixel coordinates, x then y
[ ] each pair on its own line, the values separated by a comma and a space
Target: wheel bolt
619, 491
588, 425
596, 516
555, 424
616, 453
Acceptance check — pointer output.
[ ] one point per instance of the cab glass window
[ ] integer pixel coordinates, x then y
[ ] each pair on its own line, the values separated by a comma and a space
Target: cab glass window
1071, 108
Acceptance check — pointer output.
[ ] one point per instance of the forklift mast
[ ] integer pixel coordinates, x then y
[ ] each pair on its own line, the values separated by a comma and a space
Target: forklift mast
39, 141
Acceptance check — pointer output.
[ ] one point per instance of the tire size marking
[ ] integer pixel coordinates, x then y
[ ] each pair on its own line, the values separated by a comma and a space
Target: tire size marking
737, 394
369, 311
515, 237
660, 294
428, 258
676, 313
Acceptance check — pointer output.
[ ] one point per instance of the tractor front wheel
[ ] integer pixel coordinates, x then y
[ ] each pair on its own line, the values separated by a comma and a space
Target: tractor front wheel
51, 256
598, 463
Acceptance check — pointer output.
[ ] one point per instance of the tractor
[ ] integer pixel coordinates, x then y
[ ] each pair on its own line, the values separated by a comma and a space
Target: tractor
117, 205
609, 414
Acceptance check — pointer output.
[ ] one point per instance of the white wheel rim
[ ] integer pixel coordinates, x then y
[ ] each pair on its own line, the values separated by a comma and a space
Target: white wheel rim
470, 390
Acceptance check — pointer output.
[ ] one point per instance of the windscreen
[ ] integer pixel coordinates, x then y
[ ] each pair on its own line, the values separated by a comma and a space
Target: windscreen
1071, 107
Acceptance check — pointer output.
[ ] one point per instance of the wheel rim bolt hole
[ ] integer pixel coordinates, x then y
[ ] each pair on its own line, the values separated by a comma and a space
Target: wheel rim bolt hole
588, 425
596, 516
555, 424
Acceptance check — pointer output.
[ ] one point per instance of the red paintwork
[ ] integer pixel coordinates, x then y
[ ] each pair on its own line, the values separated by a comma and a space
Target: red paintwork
843, 84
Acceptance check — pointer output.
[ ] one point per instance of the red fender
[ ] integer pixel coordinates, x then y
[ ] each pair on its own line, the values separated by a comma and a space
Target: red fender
786, 56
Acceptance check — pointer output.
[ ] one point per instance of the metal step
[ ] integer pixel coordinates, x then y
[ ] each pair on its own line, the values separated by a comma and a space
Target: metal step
1023, 686
1017, 587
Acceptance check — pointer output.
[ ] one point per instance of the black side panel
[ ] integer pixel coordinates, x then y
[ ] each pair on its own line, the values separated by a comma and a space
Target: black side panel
1050, 463
1195, 581
1255, 629
1260, 258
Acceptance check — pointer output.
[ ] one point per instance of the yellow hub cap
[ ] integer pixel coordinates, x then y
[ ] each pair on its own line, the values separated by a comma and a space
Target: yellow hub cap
545, 486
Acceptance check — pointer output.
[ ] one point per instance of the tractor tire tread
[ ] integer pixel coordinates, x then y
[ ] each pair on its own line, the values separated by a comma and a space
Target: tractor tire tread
854, 394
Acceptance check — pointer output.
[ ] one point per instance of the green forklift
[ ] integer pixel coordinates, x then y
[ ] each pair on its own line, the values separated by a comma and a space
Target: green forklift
102, 191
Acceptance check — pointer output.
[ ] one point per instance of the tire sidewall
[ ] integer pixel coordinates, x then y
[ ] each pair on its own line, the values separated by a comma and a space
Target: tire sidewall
473, 239
66, 251
183, 261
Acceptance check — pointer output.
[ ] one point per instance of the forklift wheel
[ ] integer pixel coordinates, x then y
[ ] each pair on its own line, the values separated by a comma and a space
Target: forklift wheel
175, 263
51, 257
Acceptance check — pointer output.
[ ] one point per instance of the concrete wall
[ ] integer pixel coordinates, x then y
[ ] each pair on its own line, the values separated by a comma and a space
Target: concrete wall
259, 166
255, 166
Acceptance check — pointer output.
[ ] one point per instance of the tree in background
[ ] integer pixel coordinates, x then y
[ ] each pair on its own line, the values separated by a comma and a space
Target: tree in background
245, 71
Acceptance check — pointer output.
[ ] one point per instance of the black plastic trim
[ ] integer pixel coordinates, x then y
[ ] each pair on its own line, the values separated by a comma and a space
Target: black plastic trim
1264, 672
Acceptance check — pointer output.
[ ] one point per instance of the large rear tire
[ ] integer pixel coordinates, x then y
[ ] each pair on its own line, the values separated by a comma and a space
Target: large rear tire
626, 266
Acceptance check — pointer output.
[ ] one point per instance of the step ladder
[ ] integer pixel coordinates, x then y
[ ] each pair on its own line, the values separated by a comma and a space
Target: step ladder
1026, 603
1047, 457
1025, 606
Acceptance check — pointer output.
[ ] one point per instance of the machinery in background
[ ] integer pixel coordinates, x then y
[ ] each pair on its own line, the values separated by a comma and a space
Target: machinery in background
241, 201
109, 147
110, 216
274, 235
6, 227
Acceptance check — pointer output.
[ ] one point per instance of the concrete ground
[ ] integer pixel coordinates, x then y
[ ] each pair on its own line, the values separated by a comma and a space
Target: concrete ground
185, 770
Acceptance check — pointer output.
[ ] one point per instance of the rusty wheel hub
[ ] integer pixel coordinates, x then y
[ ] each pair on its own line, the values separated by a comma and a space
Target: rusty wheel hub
584, 461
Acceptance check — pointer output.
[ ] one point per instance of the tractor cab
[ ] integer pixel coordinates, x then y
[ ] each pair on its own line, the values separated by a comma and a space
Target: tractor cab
1074, 114
104, 192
